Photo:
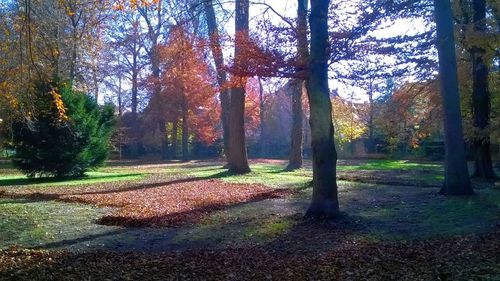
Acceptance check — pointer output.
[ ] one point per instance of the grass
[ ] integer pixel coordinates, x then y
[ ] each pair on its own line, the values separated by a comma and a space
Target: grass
435, 216
416, 214
384, 165
456, 215
271, 175
32, 223
91, 178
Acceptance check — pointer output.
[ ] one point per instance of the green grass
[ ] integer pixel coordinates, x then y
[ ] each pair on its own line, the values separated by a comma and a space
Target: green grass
456, 215
273, 175
32, 223
385, 165
267, 174
439, 216
91, 178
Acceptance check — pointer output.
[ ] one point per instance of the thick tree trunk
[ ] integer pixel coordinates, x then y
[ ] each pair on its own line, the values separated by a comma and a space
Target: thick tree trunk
185, 132
324, 199
483, 167
295, 157
238, 162
457, 180
225, 98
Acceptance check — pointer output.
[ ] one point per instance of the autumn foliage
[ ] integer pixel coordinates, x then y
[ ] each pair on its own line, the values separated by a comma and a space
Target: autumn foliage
186, 87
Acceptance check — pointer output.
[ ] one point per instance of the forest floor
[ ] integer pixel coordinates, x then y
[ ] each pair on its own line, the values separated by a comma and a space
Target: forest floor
193, 220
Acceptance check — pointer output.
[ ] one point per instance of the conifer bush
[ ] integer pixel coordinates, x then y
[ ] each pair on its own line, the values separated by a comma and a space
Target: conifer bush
65, 134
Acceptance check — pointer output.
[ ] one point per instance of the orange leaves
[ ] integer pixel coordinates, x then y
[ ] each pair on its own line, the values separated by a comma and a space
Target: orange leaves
173, 203
58, 103
186, 85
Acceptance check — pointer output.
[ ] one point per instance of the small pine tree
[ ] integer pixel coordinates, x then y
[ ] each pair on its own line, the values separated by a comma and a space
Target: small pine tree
66, 134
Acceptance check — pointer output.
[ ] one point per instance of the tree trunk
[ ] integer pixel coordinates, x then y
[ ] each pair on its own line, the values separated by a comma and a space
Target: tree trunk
225, 98
295, 158
135, 83
457, 180
120, 113
371, 113
238, 162
324, 199
175, 135
185, 132
483, 167
162, 128
262, 109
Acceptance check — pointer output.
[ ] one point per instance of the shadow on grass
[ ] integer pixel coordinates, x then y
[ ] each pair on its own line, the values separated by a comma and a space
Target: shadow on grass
87, 238
142, 186
189, 216
69, 180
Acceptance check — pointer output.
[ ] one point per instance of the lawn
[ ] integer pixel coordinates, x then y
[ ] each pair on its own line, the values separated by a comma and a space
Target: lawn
182, 220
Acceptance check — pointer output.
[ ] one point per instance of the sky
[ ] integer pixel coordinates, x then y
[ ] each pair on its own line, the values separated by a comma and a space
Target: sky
288, 8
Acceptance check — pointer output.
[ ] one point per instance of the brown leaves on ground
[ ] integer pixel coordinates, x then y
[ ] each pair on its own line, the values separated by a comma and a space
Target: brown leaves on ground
474, 257
170, 203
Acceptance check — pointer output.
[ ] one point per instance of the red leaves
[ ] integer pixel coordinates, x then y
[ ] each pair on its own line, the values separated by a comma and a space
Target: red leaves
172, 203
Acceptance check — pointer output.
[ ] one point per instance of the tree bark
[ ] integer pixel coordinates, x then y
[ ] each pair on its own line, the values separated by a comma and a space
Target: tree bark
262, 128
215, 46
295, 158
324, 199
457, 180
238, 162
185, 132
120, 113
175, 134
135, 83
483, 166
162, 128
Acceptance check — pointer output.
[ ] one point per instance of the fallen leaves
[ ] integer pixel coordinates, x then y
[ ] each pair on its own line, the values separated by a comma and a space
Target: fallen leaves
170, 203
473, 257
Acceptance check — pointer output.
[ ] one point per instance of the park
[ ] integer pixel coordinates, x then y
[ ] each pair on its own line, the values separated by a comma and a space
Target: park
249, 140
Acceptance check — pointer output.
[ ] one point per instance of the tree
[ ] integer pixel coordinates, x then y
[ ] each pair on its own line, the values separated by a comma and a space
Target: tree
215, 46
481, 101
295, 159
325, 198
347, 122
238, 162
457, 180
186, 92
67, 135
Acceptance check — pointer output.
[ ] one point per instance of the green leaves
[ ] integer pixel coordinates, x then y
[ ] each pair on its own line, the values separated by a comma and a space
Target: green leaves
66, 135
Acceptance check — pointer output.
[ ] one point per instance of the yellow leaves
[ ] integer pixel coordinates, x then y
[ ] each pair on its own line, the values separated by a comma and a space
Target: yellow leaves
7, 97
121, 5
59, 105
346, 117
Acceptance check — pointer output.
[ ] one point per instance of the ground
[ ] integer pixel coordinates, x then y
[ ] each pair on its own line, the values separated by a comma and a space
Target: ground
193, 220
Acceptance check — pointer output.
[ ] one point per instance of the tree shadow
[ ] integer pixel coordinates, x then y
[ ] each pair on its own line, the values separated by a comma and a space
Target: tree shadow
62, 180
70, 242
193, 215
142, 186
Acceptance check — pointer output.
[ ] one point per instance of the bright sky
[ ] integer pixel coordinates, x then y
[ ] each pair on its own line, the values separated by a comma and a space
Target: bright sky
288, 8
